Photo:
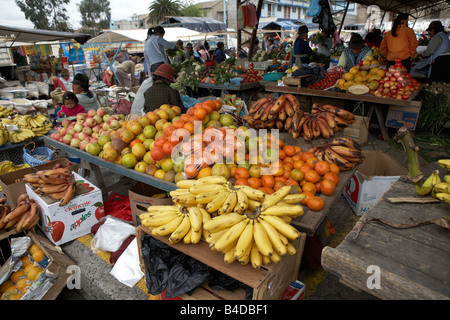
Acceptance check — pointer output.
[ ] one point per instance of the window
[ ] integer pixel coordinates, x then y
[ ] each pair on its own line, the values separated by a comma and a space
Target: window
294, 9
269, 10
279, 8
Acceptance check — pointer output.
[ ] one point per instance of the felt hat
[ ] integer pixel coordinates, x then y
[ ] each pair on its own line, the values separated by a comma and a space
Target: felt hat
302, 29
165, 71
356, 41
434, 25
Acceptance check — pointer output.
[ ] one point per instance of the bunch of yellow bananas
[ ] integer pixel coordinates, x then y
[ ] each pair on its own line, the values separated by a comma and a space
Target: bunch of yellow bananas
39, 123
177, 222
5, 112
4, 135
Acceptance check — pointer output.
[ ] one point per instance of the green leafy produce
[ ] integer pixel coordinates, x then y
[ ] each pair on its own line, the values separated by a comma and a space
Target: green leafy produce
435, 110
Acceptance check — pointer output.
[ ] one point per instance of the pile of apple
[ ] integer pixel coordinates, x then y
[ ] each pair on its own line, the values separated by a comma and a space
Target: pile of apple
84, 132
396, 84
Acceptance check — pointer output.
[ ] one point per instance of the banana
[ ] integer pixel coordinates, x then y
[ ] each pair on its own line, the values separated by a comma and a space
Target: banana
199, 189
346, 142
447, 178
187, 239
68, 195
323, 127
207, 197
443, 196
229, 204
274, 238
181, 231
244, 241
217, 203
229, 257
196, 217
242, 202
261, 239
275, 197
426, 187
17, 213
346, 151
253, 205
167, 228
290, 249
211, 180
31, 178
282, 227
256, 257
442, 187
185, 199
251, 193
54, 178
162, 208
444, 163
231, 235
341, 162
178, 192
222, 222
294, 198
185, 184
281, 210
158, 220
53, 188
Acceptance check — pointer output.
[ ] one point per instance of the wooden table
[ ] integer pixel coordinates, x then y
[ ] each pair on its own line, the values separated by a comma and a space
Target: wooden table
242, 89
97, 162
313, 222
375, 103
413, 263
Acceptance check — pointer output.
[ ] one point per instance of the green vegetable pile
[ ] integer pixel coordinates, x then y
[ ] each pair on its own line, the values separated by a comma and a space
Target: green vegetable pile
435, 110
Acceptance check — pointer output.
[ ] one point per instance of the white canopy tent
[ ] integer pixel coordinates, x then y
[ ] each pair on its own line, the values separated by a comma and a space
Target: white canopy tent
139, 35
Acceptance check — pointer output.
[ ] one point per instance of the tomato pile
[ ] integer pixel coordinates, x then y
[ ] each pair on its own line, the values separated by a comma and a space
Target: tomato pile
330, 79
251, 75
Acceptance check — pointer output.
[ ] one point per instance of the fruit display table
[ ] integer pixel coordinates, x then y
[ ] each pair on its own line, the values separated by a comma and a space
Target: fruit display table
243, 90
375, 103
97, 162
387, 255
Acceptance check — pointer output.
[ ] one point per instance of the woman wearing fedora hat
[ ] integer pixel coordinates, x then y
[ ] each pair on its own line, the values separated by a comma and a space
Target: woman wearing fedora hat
355, 52
399, 43
160, 92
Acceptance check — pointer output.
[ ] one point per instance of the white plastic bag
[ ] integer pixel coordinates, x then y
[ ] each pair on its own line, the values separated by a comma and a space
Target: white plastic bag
127, 269
111, 234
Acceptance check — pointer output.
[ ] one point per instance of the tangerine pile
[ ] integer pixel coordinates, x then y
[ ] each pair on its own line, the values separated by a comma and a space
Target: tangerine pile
293, 168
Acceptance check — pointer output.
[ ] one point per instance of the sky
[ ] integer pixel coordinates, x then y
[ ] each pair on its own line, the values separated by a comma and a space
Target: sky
14, 17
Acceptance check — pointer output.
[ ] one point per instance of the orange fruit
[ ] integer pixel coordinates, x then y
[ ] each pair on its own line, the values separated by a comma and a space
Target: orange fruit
191, 171
315, 203
25, 261
306, 155
278, 184
38, 255
201, 113
255, 183
28, 267
298, 150
242, 173
17, 275
328, 187
309, 187
322, 167
312, 176
311, 162
304, 168
332, 176
334, 168
308, 195
297, 174
291, 182
289, 150
241, 182
33, 248
34, 273
132, 143
267, 181
5, 286
22, 284
281, 154
204, 172
298, 163
189, 127
264, 189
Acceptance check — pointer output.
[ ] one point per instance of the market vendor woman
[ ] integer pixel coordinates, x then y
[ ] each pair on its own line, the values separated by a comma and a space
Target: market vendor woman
87, 98
354, 53
160, 92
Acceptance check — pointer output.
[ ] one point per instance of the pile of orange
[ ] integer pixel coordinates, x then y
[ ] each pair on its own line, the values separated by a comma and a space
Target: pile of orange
294, 168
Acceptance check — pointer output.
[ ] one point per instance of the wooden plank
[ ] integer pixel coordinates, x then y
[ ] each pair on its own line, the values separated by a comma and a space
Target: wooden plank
241, 87
413, 261
340, 95
133, 174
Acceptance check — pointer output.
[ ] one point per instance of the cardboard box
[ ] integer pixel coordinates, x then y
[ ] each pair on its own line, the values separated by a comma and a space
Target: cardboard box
12, 188
141, 197
398, 117
66, 223
358, 131
372, 179
57, 263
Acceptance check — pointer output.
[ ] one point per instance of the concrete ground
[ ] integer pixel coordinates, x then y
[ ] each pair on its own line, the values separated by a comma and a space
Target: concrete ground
97, 283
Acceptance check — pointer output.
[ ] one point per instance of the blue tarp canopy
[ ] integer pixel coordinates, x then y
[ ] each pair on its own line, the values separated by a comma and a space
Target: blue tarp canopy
286, 24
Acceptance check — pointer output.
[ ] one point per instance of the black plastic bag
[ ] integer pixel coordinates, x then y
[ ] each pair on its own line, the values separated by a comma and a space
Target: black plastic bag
171, 270
325, 18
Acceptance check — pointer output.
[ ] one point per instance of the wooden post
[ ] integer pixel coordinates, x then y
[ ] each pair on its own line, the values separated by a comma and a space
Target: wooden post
343, 18
255, 28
